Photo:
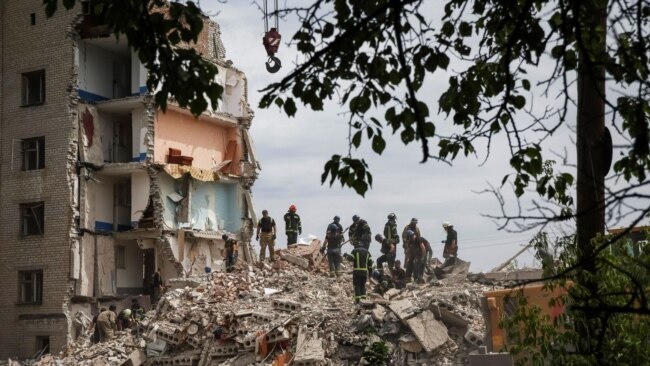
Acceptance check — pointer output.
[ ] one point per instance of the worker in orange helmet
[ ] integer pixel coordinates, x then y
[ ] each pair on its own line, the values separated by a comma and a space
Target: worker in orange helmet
293, 227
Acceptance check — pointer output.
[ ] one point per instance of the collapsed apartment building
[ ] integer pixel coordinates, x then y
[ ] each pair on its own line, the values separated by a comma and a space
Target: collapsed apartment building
99, 186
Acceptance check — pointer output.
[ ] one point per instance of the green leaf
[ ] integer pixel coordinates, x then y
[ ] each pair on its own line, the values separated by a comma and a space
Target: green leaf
526, 84
519, 101
465, 29
378, 144
356, 139
290, 107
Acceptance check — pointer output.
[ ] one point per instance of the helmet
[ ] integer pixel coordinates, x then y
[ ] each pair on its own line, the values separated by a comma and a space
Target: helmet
224, 237
127, 313
378, 237
355, 218
409, 233
332, 228
414, 221
447, 224
265, 212
392, 216
337, 219
292, 208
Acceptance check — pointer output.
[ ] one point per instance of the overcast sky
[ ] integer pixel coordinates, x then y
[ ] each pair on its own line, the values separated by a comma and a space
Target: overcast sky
292, 152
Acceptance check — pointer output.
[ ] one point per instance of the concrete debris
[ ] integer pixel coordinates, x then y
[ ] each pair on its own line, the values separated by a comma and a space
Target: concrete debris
308, 319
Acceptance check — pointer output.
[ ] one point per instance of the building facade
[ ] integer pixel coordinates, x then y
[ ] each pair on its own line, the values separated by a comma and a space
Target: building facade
98, 186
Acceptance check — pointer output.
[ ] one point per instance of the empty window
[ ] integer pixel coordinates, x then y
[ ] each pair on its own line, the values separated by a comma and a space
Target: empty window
32, 18
31, 286
34, 153
32, 218
120, 257
34, 88
123, 193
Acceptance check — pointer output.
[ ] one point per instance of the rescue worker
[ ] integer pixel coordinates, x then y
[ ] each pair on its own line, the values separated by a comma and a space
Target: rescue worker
107, 321
451, 243
292, 225
267, 226
232, 252
124, 319
384, 283
412, 226
387, 251
337, 222
137, 311
417, 256
399, 275
361, 266
332, 243
157, 285
390, 230
362, 234
95, 326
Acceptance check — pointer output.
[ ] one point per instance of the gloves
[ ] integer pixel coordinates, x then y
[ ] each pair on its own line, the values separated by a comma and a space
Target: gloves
273, 236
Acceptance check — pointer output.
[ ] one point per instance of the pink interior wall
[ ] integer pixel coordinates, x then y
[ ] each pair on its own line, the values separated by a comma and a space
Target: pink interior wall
202, 140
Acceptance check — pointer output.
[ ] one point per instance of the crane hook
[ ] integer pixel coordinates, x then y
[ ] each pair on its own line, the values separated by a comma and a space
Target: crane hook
271, 40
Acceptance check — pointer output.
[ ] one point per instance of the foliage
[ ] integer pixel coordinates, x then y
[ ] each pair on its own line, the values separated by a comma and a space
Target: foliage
374, 57
377, 354
157, 31
616, 319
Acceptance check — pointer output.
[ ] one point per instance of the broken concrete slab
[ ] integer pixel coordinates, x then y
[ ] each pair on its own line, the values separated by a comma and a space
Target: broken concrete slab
409, 343
430, 332
450, 319
309, 349
404, 309
298, 261
391, 293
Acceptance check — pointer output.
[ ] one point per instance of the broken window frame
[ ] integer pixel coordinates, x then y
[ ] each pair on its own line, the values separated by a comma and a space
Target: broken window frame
30, 287
32, 218
33, 88
120, 257
33, 150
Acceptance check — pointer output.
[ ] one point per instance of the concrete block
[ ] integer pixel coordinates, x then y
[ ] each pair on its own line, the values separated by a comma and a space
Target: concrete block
224, 350
430, 332
309, 351
278, 335
285, 305
404, 309
473, 338
262, 318
156, 348
450, 319
378, 313
136, 358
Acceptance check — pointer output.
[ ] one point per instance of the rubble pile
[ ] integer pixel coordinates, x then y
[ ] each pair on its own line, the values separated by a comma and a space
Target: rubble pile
285, 314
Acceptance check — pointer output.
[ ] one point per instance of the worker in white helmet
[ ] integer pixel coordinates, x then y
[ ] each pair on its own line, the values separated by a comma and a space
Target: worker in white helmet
451, 243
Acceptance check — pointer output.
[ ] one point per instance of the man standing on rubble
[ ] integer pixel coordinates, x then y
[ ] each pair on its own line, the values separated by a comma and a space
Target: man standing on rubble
267, 226
333, 240
107, 321
292, 225
232, 252
361, 234
417, 256
337, 222
399, 275
361, 264
390, 230
451, 243
387, 251
413, 227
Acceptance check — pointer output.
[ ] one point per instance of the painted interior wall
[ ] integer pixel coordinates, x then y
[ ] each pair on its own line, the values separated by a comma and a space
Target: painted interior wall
139, 195
203, 206
167, 186
229, 206
138, 76
129, 279
205, 141
106, 265
233, 95
85, 282
139, 130
109, 137
96, 72
104, 205
91, 134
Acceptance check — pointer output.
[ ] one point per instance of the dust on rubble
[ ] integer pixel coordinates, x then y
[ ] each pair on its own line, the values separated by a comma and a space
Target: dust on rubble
284, 313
